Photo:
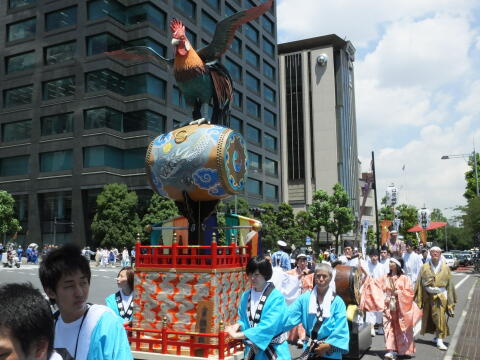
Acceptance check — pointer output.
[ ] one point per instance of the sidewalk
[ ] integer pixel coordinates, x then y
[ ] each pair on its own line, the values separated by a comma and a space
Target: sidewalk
467, 347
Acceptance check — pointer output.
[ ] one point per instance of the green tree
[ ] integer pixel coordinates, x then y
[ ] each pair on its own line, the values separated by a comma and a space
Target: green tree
159, 210
471, 219
271, 232
9, 224
116, 222
332, 212
228, 207
471, 178
408, 217
386, 211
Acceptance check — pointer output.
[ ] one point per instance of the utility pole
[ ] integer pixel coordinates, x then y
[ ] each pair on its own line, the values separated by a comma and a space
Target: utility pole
376, 203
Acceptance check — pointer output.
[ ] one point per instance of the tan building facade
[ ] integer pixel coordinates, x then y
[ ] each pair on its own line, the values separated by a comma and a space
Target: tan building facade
318, 124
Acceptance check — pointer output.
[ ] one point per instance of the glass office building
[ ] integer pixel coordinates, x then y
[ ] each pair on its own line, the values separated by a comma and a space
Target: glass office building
73, 120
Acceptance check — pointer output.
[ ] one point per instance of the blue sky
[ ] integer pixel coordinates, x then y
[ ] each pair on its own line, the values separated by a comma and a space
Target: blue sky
417, 85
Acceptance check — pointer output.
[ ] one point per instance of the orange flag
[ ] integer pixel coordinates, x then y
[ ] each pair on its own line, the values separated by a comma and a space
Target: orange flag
385, 234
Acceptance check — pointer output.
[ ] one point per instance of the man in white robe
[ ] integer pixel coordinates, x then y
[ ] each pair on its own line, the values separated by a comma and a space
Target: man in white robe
413, 262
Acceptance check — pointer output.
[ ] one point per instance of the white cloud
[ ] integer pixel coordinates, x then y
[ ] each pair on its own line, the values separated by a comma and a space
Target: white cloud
358, 21
416, 83
427, 53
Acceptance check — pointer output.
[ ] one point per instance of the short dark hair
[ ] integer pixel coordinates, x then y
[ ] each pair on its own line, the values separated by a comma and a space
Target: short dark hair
64, 260
262, 265
384, 248
26, 315
130, 275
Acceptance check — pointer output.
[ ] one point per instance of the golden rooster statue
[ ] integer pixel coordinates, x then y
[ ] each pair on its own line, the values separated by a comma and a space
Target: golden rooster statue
200, 76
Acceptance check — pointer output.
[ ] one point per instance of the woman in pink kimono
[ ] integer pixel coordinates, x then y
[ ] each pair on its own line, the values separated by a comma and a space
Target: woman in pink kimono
393, 294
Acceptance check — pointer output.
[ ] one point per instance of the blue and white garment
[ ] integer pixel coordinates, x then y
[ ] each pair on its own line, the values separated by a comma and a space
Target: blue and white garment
334, 330
269, 326
100, 335
121, 304
282, 259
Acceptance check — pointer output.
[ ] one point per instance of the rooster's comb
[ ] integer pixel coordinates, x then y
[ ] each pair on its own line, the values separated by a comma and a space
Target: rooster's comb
177, 27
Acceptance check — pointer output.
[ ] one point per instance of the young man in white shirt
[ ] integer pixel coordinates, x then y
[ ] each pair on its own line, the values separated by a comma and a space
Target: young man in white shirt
413, 262
82, 331
26, 324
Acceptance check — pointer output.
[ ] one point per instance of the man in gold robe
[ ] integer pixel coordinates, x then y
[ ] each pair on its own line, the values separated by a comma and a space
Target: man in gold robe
435, 295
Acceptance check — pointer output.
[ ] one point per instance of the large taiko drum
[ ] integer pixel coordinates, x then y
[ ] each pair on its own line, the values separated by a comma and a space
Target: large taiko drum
208, 162
347, 283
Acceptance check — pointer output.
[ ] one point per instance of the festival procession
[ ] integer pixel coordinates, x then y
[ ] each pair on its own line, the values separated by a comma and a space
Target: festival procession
199, 185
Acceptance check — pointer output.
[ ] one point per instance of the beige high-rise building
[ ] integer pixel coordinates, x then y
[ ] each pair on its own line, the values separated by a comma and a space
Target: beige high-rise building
318, 124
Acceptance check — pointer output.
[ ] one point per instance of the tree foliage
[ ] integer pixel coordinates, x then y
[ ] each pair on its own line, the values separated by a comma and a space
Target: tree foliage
9, 224
331, 212
471, 178
116, 222
159, 210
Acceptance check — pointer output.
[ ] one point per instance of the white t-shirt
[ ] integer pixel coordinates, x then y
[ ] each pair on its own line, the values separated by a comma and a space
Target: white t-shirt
126, 299
255, 300
66, 334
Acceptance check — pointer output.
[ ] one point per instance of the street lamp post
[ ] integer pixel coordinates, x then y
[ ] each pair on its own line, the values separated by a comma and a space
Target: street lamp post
446, 157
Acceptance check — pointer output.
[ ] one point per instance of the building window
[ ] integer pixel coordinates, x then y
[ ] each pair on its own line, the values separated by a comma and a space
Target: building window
267, 25
103, 117
56, 161
252, 83
103, 155
131, 15
178, 99
18, 96
105, 80
236, 46
237, 99
270, 118
229, 11
251, 33
234, 69
113, 157
13, 4
270, 142
208, 22
268, 48
187, 7
134, 158
254, 187
271, 191
271, 167
145, 84
98, 9
20, 62
59, 88
191, 36
251, 4
144, 120
98, 44
57, 124
60, 53
252, 57
236, 124
253, 109
213, 3
12, 166
56, 207
21, 30
269, 71
61, 18
149, 42
269, 94
253, 134
254, 161
140, 13
18, 130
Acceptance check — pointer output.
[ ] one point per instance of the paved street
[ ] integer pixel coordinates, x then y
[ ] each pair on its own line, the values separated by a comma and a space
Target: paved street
103, 280
103, 284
